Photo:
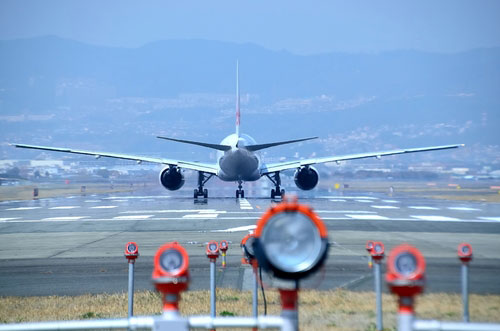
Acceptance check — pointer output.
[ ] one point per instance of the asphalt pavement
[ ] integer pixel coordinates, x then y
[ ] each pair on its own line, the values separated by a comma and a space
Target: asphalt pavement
74, 245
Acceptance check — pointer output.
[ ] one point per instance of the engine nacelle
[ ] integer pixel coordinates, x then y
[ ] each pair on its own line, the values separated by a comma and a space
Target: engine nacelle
306, 178
172, 178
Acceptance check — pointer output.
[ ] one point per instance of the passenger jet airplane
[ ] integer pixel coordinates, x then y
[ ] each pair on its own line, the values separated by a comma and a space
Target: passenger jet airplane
238, 162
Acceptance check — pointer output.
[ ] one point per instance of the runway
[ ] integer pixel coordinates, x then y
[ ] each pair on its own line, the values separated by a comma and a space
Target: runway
74, 245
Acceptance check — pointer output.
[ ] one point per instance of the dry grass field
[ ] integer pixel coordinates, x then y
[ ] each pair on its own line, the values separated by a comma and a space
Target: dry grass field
319, 310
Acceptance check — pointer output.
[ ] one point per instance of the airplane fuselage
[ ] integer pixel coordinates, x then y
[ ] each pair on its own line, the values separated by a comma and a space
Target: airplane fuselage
238, 163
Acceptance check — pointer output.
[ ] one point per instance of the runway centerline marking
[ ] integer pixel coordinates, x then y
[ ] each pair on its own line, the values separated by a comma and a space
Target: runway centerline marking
244, 204
368, 217
423, 208
434, 218
385, 207
65, 207
23, 208
133, 217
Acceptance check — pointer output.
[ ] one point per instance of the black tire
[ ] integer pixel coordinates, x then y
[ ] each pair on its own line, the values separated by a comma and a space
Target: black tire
273, 194
282, 193
205, 193
242, 194
195, 193
237, 194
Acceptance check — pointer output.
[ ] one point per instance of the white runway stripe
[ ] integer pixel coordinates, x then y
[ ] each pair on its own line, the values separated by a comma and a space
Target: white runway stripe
8, 219
491, 218
390, 201
133, 217
366, 201
434, 218
92, 200
103, 207
237, 229
65, 218
463, 208
346, 211
65, 207
423, 208
338, 200
368, 217
244, 204
23, 208
201, 215
385, 207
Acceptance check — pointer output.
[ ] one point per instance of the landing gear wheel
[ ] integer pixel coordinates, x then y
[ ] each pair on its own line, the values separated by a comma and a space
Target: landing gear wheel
195, 193
237, 194
242, 193
205, 193
273, 194
282, 193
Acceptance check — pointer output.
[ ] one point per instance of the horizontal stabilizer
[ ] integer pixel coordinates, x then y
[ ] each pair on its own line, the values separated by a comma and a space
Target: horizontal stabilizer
254, 148
212, 146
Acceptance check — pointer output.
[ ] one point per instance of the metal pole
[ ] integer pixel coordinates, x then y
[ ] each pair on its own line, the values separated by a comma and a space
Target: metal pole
223, 259
405, 314
212, 288
465, 291
131, 288
378, 294
255, 296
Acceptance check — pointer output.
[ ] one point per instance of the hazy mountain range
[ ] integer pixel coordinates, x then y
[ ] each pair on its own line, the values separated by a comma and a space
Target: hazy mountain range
64, 93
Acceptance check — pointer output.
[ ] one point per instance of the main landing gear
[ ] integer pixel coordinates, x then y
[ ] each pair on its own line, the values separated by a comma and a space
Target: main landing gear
240, 193
276, 180
200, 191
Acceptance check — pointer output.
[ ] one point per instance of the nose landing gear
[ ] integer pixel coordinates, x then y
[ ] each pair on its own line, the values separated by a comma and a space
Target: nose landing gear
240, 193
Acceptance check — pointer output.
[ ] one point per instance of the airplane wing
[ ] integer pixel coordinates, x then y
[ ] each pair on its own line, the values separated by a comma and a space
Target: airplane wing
280, 166
198, 166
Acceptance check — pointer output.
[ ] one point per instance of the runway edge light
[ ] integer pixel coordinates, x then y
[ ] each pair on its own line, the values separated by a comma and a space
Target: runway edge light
291, 241
171, 275
406, 278
464, 252
131, 251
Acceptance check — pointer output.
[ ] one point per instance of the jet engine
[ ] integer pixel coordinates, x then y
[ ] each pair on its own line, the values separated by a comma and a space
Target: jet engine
172, 178
306, 178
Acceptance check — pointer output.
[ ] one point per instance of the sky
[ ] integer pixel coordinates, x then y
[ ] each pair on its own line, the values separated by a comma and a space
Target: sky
301, 27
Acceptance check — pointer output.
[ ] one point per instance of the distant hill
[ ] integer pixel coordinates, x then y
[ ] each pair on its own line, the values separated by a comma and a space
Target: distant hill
57, 91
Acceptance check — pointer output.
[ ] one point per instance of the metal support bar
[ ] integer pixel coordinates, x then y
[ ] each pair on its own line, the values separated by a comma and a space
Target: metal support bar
158, 323
130, 289
262, 322
465, 291
121, 323
454, 326
378, 293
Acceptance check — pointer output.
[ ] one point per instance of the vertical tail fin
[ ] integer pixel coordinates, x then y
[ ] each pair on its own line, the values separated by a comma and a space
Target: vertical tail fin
237, 100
